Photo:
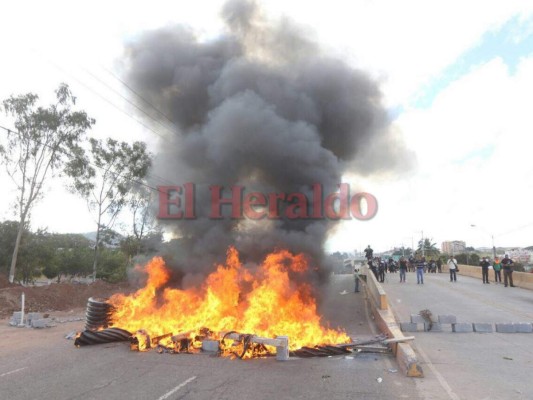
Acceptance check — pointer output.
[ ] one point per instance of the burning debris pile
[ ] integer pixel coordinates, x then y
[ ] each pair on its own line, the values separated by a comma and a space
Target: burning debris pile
269, 301
260, 107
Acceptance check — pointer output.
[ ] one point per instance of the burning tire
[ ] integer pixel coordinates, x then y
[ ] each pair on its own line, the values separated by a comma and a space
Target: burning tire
98, 315
109, 335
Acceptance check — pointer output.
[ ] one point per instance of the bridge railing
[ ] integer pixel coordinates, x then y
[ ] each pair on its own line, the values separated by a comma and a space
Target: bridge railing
375, 290
520, 279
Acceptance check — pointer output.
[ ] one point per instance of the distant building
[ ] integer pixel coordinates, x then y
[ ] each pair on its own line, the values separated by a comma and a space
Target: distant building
453, 247
520, 255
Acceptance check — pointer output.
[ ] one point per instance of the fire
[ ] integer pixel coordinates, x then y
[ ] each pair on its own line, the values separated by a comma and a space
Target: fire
265, 302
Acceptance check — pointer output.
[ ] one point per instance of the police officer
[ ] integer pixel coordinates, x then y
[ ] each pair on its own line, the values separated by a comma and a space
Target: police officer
507, 265
381, 270
485, 269
369, 253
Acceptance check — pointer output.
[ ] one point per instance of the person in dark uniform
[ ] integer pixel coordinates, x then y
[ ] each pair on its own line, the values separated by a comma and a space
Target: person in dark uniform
391, 265
373, 267
507, 265
485, 269
381, 270
411, 264
369, 253
432, 266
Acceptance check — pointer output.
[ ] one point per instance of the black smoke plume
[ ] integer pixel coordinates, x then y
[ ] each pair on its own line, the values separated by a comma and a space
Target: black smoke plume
260, 106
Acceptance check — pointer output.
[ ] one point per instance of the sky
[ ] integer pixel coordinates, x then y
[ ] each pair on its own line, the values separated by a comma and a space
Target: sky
457, 81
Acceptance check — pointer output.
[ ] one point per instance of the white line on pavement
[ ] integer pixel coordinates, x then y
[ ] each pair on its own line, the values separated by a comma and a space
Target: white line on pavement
165, 396
447, 388
12, 372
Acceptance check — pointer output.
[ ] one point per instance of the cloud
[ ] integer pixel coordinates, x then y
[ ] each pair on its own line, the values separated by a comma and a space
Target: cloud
474, 147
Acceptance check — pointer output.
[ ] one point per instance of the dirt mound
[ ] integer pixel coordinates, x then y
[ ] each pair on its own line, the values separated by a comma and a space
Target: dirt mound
4, 282
56, 296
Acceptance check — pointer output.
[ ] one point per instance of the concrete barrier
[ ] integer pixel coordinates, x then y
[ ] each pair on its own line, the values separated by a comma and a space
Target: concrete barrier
408, 327
447, 319
482, 327
524, 327
520, 279
386, 323
506, 327
375, 290
462, 327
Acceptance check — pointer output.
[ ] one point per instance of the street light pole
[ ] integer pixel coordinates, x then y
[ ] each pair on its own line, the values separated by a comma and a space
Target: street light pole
423, 244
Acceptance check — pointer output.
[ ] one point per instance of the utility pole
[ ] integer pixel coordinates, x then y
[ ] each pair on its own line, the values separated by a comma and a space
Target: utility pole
423, 244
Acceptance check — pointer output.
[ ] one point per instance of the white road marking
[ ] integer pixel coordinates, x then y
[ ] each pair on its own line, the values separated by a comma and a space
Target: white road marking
12, 372
443, 382
166, 396
447, 388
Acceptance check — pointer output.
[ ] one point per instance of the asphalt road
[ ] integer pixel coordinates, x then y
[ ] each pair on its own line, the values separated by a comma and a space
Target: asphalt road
468, 365
42, 364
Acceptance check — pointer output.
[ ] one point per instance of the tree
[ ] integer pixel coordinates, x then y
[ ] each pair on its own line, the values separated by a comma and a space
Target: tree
150, 244
340, 256
8, 236
467, 258
427, 248
75, 261
113, 265
40, 145
518, 267
51, 254
402, 251
35, 254
104, 178
144, 220
72, 256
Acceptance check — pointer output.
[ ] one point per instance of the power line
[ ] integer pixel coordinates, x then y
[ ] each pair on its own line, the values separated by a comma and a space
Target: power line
138, 95
515, 229
92, 164
102, 97
129, 101
164, 137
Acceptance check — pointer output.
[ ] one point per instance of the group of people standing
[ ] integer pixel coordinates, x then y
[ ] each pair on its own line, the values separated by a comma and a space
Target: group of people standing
379, 267
506, 264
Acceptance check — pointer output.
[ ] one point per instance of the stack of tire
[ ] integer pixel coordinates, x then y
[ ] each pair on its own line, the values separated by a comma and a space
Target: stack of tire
99, 314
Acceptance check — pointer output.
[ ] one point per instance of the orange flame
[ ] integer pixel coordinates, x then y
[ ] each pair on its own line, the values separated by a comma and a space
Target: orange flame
264, 302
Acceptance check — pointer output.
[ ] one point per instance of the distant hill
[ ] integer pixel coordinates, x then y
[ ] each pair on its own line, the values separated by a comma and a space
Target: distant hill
89, 235
530, 248
111, 238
